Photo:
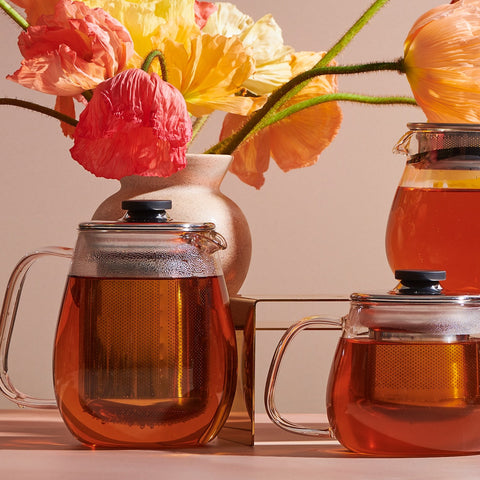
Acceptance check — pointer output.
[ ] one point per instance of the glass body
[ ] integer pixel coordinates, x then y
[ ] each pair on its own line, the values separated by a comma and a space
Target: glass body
406, 398
433, 219
145, 362
145, 353
405, 378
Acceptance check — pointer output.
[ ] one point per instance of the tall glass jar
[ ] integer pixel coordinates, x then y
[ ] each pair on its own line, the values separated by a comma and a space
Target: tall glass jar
434, 222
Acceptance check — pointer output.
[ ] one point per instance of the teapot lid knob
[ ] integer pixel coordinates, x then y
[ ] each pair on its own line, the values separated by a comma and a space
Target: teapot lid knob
146, 211
420, 282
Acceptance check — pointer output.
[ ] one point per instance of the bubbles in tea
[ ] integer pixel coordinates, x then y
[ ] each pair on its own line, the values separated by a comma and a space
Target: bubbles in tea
145, 361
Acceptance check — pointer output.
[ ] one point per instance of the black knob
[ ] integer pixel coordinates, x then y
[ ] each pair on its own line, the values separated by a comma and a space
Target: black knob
420, 282
146, 211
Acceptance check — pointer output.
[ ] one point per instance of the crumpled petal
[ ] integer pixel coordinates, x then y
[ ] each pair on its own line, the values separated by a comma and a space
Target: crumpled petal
66, 106
295, 141
209, 71
72, 51
203, 10
135, 124
441, 55
264, 42
299, 139
251, 159
148, 19
34, 9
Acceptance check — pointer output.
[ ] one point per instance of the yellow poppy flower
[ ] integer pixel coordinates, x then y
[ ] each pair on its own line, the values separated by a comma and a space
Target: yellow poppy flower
264, 42
295, 141
441, 61
145, 19
209, 71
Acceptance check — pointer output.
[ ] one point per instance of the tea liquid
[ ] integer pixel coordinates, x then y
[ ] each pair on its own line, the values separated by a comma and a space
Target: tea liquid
145, 362
437, 229
396, 399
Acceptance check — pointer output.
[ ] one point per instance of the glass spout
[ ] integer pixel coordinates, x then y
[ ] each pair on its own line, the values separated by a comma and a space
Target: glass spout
209, 242
403, 145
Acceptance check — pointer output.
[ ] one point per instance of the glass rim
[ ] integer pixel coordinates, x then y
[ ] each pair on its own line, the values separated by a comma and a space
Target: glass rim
412, 300
120, 226
443, 127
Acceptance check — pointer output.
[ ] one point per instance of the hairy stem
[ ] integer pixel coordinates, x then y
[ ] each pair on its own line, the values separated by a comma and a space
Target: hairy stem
197, 125
161, 59
339, 97
39, 108
260, 118
351, 32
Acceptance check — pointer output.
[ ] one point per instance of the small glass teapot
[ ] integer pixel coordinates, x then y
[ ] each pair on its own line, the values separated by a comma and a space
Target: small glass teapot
405, 379
145, 352
433, 219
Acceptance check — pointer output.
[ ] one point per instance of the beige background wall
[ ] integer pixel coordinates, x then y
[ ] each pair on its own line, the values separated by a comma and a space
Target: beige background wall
316, 230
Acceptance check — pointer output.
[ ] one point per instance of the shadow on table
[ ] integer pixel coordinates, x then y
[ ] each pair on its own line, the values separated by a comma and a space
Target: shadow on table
45, 430
23, 430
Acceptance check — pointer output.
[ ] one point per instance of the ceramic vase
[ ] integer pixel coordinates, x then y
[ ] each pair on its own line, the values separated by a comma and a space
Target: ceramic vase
196, 197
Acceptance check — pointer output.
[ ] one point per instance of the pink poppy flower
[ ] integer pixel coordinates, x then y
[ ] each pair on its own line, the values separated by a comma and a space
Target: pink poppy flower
203, 10
135, 124
73, 50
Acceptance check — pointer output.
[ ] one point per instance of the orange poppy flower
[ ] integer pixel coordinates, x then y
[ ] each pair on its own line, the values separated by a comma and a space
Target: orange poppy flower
441, 55
293, 142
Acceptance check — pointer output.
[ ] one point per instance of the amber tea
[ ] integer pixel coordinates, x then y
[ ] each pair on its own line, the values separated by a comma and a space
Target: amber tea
436, 229
394, 398
139, 361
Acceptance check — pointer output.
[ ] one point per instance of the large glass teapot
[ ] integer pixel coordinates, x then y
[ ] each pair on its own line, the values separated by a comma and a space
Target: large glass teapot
433, 221
145, 352
405, 378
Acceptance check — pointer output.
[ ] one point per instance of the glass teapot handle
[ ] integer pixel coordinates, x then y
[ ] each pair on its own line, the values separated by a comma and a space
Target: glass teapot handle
7, 321
272, 411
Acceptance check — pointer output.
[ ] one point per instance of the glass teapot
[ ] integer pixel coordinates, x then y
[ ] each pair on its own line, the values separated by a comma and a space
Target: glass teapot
433, 219
405, 378
145, 352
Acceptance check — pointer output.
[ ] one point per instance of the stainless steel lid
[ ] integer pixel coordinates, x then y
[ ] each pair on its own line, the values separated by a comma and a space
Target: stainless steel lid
147, 215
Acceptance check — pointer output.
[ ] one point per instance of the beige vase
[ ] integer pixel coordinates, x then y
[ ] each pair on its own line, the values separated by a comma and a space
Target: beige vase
196, 197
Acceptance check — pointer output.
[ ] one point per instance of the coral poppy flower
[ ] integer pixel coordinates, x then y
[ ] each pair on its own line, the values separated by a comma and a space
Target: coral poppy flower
264, 41
135, 124
34, 9
441, 60
295, 141
72, 51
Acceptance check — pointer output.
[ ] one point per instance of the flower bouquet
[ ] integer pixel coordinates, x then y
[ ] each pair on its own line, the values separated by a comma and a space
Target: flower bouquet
135, 81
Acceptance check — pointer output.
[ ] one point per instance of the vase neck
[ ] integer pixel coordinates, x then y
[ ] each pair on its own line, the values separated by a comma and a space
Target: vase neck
206, 170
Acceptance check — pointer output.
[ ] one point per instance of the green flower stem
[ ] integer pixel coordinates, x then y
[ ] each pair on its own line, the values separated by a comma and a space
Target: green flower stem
289, 90
352, 31
39, 108
197, 125
261, 117
293, 89
150, 58
337, 97
13, 14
